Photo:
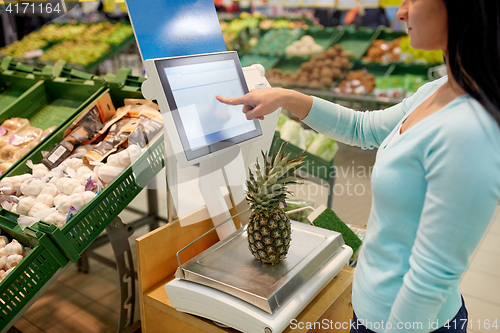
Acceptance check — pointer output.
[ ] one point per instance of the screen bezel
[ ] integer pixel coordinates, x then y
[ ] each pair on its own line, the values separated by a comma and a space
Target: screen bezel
162, 64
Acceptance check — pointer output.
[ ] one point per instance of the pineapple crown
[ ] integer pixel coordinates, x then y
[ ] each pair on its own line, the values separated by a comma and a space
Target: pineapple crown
267, 186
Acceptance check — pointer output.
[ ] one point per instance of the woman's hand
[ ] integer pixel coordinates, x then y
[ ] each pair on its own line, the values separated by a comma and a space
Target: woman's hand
261, 102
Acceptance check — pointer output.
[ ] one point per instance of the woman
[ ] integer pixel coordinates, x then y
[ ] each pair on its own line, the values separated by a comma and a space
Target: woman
438, 164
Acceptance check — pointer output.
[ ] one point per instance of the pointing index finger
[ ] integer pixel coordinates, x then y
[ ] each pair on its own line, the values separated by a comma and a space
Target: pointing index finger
231, 101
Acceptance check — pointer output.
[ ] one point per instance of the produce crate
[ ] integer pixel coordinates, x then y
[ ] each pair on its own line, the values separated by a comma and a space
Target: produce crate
14, 88
61, 70
76, 235
372, 67
402, 69
314, 165
275, 41
34, 274
266, 61
51, 103
325, 37
357, 41
290, 64
125, 80
16, 69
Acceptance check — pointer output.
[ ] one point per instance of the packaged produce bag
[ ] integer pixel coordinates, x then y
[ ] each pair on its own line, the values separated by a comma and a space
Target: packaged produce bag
82, 131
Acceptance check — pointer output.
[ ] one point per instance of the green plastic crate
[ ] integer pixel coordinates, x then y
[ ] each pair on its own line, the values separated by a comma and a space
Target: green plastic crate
290, 64
402, 69
13, 88
314, 165
16, 69
325, 37
51, 103
275, 41
27, 281
125, 80
266, 61
374, 68
75, 236
358, 40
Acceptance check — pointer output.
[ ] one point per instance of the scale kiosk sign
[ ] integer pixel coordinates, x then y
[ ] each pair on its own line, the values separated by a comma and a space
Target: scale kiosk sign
187, 65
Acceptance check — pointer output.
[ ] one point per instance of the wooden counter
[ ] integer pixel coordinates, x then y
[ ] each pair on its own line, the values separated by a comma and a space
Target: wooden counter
157, 264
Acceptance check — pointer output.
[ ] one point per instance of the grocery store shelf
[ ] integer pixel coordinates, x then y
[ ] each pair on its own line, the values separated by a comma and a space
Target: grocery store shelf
360, 99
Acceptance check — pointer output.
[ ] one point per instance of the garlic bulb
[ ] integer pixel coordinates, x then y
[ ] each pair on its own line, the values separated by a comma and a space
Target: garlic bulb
70, 185
7, 183
88, 196
49, 189
2, 252
73, 163
25, 205
83, 179
79, 189
46, 199
83, 171
3, 261
2, 243
108, 173
54, 180
32, 187
57, 198
3, 274
13, 248
13, 261
77, 201
64, 204
60, 183
37, 207
40, 173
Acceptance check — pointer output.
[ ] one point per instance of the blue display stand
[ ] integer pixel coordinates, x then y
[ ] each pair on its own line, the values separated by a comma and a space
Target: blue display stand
167, 28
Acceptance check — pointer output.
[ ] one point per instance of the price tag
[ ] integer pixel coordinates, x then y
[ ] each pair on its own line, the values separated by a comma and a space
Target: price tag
325, 3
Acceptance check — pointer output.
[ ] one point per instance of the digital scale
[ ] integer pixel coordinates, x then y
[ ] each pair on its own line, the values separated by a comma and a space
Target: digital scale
224, 283
227, 285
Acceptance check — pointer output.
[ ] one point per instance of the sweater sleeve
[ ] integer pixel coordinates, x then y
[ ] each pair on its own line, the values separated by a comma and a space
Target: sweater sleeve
357, 128
461, 167
365, 129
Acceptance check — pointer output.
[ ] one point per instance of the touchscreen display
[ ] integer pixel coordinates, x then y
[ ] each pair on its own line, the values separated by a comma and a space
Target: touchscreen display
206, 120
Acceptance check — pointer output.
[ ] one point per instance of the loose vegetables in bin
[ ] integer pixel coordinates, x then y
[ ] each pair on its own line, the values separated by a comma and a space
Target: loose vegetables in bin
323, 147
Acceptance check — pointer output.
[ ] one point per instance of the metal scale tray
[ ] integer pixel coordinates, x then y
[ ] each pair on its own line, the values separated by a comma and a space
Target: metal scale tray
229, 266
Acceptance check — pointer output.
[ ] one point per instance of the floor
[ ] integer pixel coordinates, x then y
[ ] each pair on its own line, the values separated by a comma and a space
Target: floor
90, 302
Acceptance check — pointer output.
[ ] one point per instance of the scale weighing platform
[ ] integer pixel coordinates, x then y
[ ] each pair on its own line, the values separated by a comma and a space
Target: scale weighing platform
227, 285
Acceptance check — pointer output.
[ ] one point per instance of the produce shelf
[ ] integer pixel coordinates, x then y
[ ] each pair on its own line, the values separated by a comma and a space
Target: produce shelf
275, 41
125, 80
325, 37
266, 61
27, 281
81, 230
51, 103
13, 89
358, 40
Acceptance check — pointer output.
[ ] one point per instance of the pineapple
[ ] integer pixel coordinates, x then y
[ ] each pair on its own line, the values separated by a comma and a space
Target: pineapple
269, 230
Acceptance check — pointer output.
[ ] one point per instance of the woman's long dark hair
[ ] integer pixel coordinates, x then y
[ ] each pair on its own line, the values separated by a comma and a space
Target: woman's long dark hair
474, 49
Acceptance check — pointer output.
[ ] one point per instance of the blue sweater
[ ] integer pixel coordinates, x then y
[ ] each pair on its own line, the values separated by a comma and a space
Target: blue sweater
435, 191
